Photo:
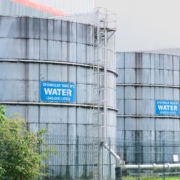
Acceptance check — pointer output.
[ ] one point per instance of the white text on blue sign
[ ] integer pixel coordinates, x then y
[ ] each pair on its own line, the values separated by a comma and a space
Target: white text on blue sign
167, 107
58, 91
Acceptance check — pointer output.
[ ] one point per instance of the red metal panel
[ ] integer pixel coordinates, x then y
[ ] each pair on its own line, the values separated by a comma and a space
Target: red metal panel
40, 7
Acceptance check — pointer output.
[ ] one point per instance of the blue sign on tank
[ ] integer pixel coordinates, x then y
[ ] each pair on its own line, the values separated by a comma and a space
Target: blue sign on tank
167, 107
57, 91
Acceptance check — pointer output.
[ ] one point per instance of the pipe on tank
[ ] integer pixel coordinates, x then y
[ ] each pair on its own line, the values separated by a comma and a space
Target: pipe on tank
151, 166
119, 162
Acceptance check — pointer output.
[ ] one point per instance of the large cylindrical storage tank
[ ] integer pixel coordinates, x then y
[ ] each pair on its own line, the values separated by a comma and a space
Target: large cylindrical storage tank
40, 53
148, 105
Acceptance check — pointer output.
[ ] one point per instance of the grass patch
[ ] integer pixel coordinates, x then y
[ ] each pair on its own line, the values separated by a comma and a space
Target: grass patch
151, 178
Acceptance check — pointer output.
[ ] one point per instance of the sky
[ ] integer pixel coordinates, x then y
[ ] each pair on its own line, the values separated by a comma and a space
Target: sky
145, 24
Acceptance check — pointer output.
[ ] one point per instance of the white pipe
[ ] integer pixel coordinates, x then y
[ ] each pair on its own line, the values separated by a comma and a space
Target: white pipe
152, 166
119, 162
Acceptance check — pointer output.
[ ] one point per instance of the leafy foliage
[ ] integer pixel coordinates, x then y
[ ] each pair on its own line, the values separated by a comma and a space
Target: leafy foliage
2, 112
20, 155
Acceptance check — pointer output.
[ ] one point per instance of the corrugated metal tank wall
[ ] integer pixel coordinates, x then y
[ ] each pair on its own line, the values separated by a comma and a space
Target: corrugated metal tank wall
143, 79
34, 50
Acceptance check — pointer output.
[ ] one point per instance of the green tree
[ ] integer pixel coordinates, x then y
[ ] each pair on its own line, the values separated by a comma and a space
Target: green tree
20, 155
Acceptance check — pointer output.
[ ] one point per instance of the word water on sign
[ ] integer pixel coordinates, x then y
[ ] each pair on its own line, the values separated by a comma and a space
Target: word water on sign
167, 107
57, 92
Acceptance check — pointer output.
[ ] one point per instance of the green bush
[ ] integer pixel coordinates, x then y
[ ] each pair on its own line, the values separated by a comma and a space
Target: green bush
20, 155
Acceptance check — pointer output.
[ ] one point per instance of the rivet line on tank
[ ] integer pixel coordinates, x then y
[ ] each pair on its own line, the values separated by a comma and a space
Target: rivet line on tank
55, 62
148, 85
54, 104
144, 116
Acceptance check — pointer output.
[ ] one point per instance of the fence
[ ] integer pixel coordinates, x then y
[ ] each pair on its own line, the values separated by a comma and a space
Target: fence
155, 153
74, 159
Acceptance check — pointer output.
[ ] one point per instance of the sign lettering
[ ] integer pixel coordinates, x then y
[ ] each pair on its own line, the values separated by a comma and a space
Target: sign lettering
167, 107
57, 92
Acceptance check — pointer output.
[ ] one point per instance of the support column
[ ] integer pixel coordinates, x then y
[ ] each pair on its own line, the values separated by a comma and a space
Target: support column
118, 171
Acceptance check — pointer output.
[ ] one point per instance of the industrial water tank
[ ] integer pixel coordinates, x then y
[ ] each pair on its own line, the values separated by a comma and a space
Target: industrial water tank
46, 75
148, 104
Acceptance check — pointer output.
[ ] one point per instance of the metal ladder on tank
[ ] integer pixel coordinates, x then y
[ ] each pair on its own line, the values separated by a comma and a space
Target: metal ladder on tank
99, 92
100, 88
96, 103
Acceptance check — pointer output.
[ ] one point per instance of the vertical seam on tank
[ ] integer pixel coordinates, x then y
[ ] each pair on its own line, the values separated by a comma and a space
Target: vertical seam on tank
76, 84
87, 89
173, 65
155, 132
68, 69
47, 38
140, 104
27, 32
140, 100
47, 66
179, 88
76, 110
173, 83
39, 96
124, 130
39, 74
19, 26
26, 79
173, 132
136, 79
142, 132
124, 119
67, 120
61, 47
151, 90
150, 94
154, 110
